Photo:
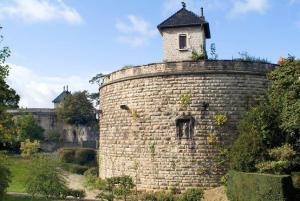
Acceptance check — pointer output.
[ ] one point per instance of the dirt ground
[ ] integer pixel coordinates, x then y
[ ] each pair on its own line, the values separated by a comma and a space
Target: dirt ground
215, 194
76, 182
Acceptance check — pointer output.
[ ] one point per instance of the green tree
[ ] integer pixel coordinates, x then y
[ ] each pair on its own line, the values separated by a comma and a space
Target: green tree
8, 96
8, 99
274, 122
77, 109
8, 130
28, 128
46, 178
97, 79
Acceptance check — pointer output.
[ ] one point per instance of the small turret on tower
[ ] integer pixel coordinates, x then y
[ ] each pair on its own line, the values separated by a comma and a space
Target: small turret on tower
61, 96
183, 33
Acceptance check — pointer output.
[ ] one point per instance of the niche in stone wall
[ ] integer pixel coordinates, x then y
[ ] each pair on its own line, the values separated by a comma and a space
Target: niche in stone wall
185, 127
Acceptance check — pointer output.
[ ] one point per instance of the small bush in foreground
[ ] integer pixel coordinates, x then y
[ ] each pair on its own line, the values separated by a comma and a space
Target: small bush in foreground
80, 156
74, 193
116, 187
67, 155
86, 156
192, 195
46, 178
29, 148
74, 168
283, 159
91, 179
263, 187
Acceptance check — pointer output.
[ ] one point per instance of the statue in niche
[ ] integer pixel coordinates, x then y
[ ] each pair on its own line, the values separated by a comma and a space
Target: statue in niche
185, 127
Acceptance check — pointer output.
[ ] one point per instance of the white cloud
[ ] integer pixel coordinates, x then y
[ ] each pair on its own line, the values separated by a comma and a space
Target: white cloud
246, 6
135, 31
38, 91
39, 11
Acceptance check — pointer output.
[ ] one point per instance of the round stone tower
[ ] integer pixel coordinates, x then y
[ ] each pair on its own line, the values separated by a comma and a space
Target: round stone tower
164, 124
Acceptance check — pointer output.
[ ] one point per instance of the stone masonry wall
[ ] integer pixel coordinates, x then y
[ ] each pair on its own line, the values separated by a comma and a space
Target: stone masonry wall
142, 141
195, 39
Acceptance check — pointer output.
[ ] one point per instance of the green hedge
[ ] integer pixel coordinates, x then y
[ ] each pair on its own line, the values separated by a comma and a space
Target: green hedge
74, 168
80, 156
259, 187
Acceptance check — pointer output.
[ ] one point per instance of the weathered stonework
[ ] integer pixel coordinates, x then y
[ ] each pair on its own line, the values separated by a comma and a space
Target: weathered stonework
84, 136
158, 141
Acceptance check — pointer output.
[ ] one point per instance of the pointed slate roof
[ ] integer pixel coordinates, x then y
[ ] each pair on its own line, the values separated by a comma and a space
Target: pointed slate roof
61, 96
185, 18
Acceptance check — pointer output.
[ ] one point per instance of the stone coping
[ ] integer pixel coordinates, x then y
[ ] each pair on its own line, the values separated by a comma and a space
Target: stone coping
188, 67
31, 110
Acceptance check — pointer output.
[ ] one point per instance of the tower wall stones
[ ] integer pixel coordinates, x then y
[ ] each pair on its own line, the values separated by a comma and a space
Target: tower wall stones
146, 132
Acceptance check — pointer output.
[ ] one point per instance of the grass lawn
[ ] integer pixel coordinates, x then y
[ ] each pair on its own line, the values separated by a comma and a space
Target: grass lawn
19, 168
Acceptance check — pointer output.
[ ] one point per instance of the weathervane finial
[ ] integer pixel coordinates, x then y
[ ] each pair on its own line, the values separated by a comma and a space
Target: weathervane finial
183, 4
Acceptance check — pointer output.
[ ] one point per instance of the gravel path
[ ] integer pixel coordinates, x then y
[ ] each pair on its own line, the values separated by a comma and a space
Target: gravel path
76, 182
215, 194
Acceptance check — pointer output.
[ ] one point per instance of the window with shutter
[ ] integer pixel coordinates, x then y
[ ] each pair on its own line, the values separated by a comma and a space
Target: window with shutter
182, 41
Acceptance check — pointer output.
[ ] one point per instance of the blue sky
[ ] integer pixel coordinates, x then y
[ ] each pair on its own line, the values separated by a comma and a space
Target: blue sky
66, 42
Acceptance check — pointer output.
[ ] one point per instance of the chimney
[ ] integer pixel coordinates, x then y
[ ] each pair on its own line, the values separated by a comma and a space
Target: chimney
67, 88
202, 12
64, 88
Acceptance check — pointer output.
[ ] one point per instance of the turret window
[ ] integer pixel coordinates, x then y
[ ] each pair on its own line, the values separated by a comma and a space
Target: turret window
182, 41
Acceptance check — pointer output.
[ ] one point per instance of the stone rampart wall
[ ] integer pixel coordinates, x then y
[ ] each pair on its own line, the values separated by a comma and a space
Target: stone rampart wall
147, 133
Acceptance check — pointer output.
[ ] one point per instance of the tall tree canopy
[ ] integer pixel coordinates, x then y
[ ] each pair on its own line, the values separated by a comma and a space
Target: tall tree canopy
77, 109
274, 124
8, 96
8, 99
28, 128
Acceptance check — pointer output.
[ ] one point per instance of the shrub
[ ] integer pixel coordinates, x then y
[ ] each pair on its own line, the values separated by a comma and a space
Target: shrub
220, 119
67, 155
244, 56
29, 148
46, 178
283, 159
285, 152
116, 187
91, 179
74, 193
296, 179
86, 157
158, 196
254, 186
199, 56
4, 177
80, 156
192, 195
165, 196
185, 100
54, 136
74, 168
148, 197
257, 132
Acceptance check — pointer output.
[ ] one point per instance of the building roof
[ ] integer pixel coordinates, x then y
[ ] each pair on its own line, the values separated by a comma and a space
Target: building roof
185, 18
61, 96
